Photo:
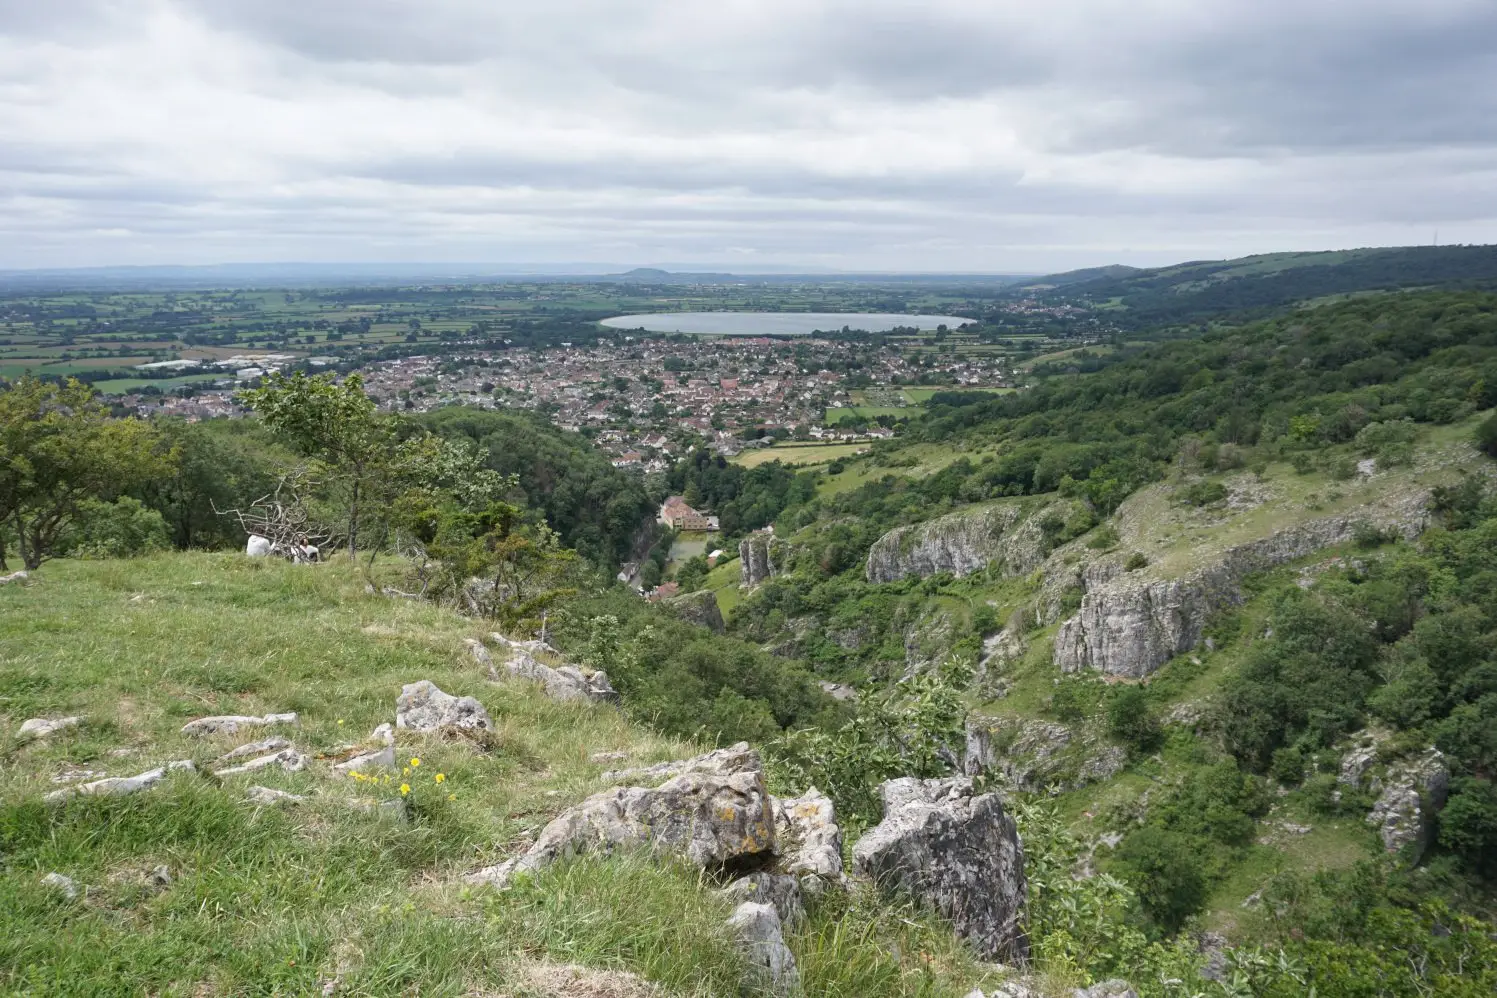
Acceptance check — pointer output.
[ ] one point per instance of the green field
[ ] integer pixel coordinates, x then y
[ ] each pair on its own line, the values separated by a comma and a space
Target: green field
851, 412
797, 454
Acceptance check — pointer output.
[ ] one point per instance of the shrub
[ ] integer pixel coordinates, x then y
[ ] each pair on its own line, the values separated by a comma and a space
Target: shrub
1201, 494
1131, 718
1103, 538
122, 529
1166, 871
1486, 436
1135, 561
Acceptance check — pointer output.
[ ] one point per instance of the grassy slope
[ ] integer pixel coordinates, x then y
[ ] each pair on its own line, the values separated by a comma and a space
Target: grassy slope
276, 901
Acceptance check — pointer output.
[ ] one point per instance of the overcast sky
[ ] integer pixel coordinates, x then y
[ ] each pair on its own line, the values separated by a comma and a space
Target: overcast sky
971, 135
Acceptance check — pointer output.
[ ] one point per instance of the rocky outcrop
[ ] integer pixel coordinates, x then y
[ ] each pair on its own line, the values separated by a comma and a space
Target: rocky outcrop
755, 559
1413, 792
564, 682
958, 852
423, 707
1034, 755
771, 965
1131, 623
231, 724
715, 813
1006, 534
698, 608
41, 727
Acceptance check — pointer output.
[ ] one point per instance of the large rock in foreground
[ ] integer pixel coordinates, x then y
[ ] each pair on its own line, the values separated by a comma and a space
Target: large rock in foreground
956, 851
715, 813
423, 707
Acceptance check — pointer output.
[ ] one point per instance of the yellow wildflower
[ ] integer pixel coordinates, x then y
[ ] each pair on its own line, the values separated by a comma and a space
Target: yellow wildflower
405, 788
340, 722
441, 777
415, 762
452, 796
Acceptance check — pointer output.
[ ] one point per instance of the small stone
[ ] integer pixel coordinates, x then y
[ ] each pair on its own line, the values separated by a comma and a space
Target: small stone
161, 876
13, 577
379, 759
229, 724
78, 776
66, 885
289, 760
255, 748
118, 786
601, 757
267, 796
40, 727
1107, 989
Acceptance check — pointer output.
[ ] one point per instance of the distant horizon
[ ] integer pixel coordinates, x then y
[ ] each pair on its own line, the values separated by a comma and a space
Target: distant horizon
458, 269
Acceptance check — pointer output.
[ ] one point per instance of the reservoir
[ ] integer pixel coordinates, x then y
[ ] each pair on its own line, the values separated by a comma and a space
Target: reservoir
777, 323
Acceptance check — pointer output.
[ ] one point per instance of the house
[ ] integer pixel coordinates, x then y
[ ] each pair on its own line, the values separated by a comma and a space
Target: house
676, 514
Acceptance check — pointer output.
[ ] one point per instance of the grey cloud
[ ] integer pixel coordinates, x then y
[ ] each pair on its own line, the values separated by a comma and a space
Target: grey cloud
955, 134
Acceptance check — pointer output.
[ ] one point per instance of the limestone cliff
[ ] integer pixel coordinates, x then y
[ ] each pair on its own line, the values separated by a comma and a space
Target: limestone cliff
698, 608
755, 563
969, 540
1130, 623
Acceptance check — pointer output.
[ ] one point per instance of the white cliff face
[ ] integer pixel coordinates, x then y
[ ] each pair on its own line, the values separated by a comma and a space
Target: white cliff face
1130, 623
964, 542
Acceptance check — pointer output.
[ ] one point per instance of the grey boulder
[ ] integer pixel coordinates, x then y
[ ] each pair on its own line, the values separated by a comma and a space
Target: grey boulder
715, 813
423, 707
779, 890
808, 840
771, 964
958, 852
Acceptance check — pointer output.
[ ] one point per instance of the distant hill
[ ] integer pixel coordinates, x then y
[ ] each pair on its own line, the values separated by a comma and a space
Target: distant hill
1254, 285
1070, 277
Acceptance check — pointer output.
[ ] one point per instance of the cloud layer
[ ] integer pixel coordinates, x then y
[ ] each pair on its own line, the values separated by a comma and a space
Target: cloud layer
934, 135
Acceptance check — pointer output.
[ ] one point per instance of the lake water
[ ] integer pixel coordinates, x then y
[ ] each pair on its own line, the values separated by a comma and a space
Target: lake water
777, 323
